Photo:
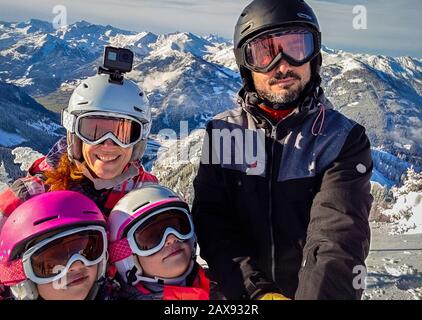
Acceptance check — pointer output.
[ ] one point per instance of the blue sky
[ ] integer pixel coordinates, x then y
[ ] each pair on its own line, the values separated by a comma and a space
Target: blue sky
394, 26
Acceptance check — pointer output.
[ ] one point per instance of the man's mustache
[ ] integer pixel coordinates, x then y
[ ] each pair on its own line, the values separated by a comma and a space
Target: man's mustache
280, 76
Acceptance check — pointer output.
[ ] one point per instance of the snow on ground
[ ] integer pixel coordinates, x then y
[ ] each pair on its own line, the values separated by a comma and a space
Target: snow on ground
351, 63
406, 214
353, 104
223, 56
158, 80
381, 179
355, 80
176, 153
394, 265
8, 139
4, 177
218, 90
46, 125
25, 156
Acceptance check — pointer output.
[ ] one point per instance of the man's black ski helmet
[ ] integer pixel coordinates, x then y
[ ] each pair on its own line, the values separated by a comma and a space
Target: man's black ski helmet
265, 15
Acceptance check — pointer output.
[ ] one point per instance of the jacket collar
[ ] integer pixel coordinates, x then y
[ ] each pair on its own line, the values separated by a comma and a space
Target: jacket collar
257, 118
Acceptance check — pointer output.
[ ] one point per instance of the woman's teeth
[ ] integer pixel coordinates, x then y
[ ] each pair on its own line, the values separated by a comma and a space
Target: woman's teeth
107, 158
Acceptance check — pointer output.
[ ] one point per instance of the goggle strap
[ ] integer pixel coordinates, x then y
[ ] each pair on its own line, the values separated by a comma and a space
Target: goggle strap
12, 273
119, 250
68, 121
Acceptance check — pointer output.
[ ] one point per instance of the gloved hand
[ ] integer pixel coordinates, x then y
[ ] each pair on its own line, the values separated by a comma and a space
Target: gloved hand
273, 296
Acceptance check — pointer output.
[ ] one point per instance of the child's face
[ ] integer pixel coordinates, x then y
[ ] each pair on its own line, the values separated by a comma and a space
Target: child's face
170, 262
74, 286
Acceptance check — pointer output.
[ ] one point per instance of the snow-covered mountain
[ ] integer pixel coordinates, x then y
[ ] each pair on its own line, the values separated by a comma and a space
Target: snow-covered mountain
24, 122
180, 72
382, 93
192, 78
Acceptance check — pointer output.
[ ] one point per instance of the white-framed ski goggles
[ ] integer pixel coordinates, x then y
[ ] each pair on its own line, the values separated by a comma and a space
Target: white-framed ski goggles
148, 235
50, 259
96, 127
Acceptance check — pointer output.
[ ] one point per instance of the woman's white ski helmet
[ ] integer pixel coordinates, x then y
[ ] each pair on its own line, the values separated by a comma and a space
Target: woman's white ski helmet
98, 94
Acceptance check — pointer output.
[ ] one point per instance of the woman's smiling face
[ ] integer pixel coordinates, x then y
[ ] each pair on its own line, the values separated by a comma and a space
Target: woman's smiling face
106, 160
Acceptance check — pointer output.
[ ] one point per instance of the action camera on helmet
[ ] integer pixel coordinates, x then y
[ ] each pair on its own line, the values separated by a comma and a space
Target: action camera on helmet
117, 61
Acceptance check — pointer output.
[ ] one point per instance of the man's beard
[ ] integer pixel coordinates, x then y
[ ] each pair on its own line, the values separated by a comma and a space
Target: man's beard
289, 96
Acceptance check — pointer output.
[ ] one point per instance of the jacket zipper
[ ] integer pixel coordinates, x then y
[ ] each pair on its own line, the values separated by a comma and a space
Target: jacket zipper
270, 209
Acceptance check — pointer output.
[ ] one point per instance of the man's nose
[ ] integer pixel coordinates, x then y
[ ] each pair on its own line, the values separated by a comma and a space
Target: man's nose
283, 66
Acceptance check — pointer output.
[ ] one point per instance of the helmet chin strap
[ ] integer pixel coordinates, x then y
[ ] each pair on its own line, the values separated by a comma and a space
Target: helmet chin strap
171, 281
138, 271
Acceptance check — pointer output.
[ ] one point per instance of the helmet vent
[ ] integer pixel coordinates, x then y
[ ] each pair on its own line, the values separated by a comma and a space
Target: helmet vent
85, 86
246, 29
138, 109
141, 94
139, 207
172, 196
90, 212
45, 220
81, 103
304, 15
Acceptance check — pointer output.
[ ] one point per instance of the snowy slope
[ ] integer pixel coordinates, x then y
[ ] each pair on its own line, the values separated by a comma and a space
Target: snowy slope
394, 265
389, 169
177, 162
24, 122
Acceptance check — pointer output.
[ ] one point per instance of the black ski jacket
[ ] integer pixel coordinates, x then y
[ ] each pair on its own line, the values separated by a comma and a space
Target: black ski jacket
289, 218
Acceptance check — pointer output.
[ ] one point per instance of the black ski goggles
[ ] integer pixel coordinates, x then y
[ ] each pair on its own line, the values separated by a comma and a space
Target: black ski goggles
297, 46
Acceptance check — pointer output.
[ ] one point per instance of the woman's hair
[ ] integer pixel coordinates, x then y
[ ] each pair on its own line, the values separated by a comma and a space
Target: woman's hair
63, 175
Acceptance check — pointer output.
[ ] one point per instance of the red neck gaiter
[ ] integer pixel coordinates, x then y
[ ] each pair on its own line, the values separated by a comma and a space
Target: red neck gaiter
275, 115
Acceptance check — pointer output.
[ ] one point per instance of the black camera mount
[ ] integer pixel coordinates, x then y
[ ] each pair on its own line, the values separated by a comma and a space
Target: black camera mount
115, 75
117, 61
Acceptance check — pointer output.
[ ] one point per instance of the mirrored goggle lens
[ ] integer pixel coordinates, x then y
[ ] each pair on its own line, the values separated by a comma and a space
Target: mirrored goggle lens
93, 128
297, 45
150, 233
51, 259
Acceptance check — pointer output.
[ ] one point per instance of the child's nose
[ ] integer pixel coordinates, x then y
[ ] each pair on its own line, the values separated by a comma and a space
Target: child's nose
76, 266
171, 238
